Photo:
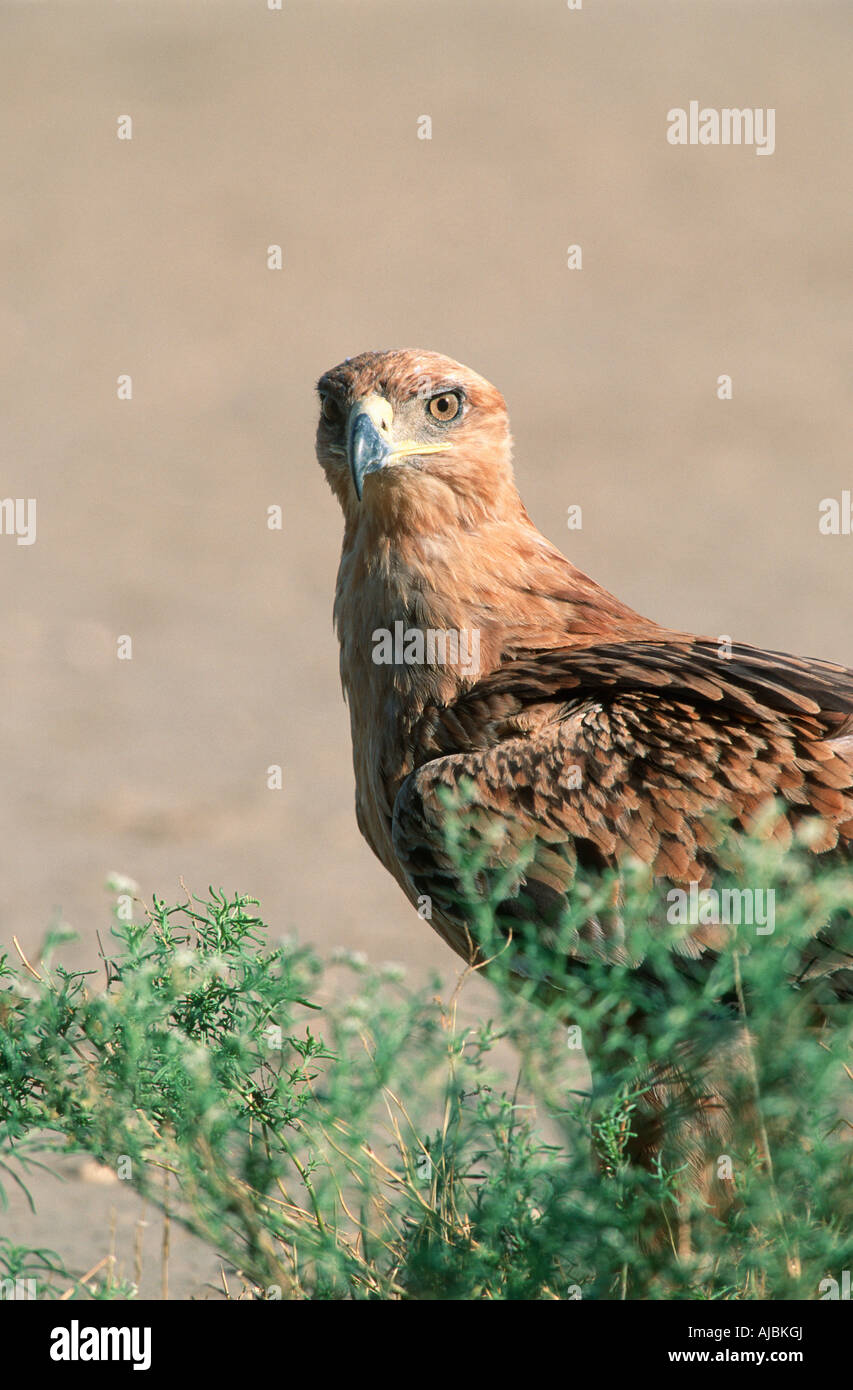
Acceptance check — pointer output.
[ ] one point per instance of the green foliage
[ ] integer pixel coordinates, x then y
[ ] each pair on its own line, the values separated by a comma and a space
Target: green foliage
378, 1148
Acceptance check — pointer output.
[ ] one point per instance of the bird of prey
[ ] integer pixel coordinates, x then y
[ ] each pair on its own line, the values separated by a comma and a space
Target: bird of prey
581, 734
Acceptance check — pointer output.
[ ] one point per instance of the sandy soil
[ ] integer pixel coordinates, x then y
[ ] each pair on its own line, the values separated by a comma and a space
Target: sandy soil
148, 257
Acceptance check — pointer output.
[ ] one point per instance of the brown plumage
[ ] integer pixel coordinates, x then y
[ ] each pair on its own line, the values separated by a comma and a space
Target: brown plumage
588, 734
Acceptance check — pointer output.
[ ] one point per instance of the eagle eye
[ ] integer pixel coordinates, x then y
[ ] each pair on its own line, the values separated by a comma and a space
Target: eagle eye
330, 410
445, 407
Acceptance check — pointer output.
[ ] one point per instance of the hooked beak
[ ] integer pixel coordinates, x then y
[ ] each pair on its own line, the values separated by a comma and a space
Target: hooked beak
368, 438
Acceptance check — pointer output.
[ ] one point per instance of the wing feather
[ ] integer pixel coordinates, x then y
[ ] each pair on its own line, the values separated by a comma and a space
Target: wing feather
575, 760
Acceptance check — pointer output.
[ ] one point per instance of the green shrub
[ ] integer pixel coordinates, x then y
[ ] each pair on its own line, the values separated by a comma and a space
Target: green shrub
377, 1148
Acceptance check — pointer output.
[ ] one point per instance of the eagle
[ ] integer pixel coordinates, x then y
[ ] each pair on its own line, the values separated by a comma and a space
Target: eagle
482, 667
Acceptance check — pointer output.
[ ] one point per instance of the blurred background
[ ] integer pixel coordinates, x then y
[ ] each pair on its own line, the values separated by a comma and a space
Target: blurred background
148, 256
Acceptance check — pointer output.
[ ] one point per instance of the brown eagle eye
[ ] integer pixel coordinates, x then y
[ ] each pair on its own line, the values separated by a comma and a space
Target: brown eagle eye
330, 410
445, 407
